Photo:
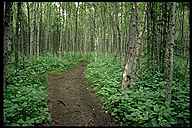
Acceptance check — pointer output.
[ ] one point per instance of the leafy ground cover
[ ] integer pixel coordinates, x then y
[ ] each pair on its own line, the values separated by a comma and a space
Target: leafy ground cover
25, 98
144, 103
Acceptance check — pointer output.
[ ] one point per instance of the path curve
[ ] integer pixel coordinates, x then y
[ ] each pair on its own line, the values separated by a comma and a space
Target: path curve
72, 102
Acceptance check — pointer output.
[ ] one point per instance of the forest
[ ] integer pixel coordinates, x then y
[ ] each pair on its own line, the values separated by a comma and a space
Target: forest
96, 64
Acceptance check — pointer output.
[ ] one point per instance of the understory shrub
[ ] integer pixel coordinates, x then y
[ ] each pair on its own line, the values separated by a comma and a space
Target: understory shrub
25, 98
144, 103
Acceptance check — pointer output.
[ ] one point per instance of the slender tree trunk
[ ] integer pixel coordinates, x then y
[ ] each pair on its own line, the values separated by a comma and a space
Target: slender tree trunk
148, 33
29, 28
164, 35
143, 32
104, 32
34, 30
67, 30
31, 31
61, 33
63, 36
17, 34
76, 27
182, 25
117, 28
49, 28
93, 32
6, 37
114, 40
169, 52
41, 42
38, 31
20, 37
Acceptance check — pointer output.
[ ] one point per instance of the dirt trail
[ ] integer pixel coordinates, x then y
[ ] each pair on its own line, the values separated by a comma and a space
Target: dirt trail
72, 103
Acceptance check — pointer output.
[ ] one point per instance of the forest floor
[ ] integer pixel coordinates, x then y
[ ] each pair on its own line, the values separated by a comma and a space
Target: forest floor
72, 103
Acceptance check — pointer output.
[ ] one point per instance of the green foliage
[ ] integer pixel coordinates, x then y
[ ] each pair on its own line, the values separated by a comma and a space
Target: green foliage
144, 103
25, 99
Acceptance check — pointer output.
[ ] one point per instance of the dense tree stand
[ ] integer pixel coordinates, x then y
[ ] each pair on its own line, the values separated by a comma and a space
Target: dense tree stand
137, 56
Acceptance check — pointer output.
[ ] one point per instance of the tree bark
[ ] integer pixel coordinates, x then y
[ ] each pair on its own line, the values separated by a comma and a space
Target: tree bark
61, 32
17, 33
29, 28
38, 30
6, 37
130, 66
169, 51
76, 27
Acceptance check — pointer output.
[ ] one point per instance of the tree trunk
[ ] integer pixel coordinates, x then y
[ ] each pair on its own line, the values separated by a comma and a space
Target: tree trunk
61, 32
169, 51
41, 42
76, 27
17, 33
6, 37
182, 26
130, 66
35, 30
38, 30
29, 28
118, 29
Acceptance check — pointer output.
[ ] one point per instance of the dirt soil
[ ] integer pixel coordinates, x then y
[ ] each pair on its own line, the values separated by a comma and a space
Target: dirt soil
72, 102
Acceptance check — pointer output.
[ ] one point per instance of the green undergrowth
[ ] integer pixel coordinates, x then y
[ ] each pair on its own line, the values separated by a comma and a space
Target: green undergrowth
144, 103
25, 98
